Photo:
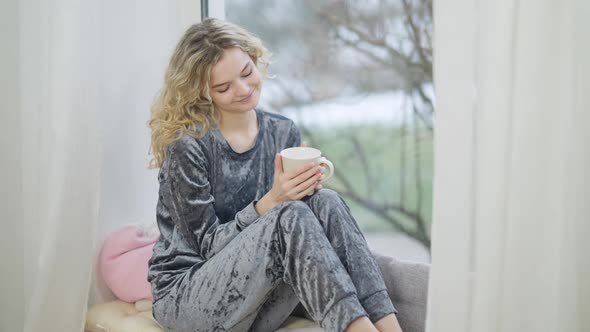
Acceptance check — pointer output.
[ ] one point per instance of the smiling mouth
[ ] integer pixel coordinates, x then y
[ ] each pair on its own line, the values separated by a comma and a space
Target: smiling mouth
250, 95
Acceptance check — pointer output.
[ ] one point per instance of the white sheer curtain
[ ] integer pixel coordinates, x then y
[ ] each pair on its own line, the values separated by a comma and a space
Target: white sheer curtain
61, 158
88, 71
11, 245
511, 226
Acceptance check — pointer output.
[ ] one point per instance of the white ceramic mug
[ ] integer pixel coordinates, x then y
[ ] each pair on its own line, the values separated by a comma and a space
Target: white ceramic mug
296, 157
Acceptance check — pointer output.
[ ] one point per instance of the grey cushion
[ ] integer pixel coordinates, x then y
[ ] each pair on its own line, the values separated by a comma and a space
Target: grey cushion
407, 285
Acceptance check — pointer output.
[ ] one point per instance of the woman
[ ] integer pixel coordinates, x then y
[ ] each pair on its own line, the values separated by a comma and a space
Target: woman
242, 243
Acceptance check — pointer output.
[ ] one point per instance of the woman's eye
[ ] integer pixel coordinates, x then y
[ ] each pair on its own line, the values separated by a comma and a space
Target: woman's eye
245, 75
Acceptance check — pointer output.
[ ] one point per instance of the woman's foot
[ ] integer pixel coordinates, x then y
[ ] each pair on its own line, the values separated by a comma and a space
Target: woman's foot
362, 324
388, 323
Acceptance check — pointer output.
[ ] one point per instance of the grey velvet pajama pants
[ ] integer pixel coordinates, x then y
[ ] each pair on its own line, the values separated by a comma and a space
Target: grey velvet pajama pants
309, 251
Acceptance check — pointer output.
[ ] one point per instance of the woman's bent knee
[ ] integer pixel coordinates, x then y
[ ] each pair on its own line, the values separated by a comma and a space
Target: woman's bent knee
287, 209
327, 194
293, 213
292, 205
325, 198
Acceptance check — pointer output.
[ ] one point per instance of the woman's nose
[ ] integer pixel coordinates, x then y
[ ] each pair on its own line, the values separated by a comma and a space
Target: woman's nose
243, 88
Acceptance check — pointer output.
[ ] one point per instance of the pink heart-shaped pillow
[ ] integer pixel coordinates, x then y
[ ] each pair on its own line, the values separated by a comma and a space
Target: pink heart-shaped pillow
123, 262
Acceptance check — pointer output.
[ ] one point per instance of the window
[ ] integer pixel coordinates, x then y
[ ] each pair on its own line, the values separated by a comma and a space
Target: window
356, 76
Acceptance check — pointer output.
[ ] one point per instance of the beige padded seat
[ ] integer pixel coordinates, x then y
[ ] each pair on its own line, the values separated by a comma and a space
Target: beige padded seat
407, 285
119, 316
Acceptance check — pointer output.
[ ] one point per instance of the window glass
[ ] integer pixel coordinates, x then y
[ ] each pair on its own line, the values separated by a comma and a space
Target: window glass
356, 76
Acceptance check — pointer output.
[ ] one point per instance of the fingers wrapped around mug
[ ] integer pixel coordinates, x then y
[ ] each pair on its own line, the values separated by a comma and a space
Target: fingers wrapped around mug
294, 158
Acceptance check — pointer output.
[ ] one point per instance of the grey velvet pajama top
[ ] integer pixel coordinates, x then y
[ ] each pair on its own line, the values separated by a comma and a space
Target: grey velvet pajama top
215, 200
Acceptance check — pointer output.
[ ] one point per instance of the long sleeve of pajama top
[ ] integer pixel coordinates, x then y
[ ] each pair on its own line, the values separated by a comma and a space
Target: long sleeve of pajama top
207, 195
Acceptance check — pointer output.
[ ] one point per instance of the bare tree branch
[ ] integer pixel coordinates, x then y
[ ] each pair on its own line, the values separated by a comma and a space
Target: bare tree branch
426, 99
362, 156
418, 175
363, 36
382, 212
403, 158
415, 36
425, 119
357, 47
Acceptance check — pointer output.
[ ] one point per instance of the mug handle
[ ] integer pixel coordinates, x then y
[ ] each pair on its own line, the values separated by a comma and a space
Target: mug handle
324, 161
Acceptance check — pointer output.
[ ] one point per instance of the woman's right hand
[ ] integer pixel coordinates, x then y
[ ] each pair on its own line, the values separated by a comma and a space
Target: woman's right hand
291, 185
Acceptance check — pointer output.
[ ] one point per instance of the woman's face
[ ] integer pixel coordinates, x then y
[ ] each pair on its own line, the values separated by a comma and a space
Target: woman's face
235, 82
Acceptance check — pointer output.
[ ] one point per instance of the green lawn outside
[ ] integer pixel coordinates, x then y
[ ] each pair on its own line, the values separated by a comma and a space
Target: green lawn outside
382, 146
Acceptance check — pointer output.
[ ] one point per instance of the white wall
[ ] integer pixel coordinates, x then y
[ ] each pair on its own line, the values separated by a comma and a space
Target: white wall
140, 36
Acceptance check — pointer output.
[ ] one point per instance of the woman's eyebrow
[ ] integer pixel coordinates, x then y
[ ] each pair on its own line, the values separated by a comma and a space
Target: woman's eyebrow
220, 84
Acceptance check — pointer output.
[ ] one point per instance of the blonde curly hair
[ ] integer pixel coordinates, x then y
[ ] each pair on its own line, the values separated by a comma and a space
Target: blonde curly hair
184, 105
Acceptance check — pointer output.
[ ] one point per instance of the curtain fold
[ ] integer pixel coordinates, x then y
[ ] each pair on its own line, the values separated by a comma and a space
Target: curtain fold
511, 220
